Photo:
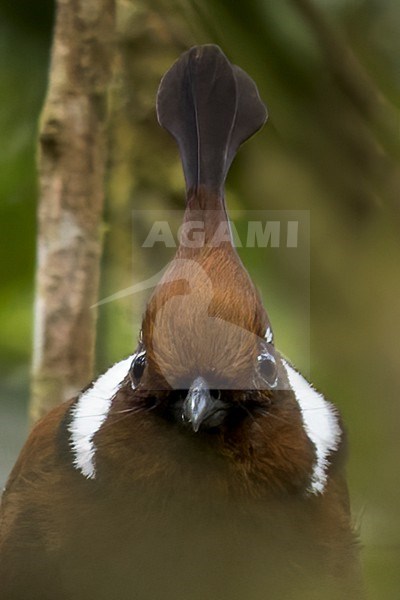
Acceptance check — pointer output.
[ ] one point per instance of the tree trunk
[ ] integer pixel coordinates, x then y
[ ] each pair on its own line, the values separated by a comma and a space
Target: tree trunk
72, 156
144, 173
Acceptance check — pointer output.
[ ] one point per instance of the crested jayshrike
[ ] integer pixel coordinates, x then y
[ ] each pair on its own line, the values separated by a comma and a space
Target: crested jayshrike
204, 465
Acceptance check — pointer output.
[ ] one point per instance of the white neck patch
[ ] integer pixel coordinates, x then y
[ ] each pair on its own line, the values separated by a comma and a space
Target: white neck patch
90, 412
320, 419
321, 424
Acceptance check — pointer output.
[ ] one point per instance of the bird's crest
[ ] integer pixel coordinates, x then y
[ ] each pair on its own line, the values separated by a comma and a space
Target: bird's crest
210, 107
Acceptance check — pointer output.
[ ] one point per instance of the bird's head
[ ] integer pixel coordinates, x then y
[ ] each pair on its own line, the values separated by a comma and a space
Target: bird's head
206, 338
205, 331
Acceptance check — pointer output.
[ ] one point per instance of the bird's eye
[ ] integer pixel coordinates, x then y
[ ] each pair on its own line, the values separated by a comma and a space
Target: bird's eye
138, 367
268, 368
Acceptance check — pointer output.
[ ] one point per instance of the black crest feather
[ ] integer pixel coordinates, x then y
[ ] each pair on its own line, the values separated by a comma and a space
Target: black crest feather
210, 107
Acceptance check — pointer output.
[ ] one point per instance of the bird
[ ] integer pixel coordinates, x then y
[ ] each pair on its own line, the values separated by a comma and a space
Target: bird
204, 465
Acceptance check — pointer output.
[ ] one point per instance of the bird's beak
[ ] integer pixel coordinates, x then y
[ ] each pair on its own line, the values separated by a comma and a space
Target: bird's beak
200, 407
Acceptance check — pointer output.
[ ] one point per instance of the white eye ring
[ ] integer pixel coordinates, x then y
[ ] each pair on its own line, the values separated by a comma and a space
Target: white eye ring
269, 336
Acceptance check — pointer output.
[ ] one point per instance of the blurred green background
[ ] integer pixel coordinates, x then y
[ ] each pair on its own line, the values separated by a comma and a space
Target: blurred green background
329, 71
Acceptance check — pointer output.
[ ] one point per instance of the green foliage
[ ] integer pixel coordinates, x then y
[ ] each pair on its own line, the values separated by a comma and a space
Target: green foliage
24, 56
